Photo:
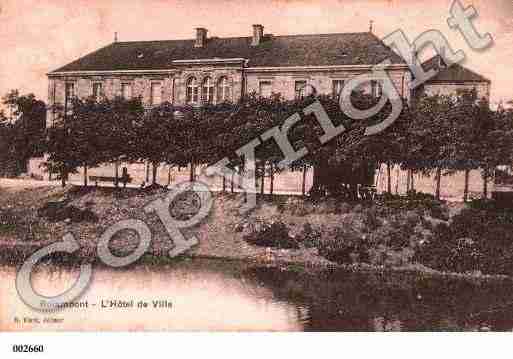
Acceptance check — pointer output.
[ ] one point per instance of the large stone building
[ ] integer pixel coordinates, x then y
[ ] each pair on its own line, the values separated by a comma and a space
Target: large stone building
211, 69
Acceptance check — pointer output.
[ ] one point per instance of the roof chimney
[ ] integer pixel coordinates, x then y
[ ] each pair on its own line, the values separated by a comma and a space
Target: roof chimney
258, 35
201, 37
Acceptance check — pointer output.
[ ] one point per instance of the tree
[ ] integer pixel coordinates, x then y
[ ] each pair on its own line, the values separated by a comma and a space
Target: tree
154, 137
430, 136
26, 124
120, 121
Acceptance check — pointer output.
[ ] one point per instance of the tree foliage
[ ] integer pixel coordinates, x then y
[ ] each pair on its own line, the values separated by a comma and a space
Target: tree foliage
439, 134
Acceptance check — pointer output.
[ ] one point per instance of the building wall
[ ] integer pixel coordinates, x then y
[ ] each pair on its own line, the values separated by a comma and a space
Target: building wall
448, 89
174, 84
283, 81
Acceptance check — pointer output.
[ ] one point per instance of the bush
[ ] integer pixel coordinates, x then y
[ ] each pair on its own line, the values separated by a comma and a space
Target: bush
416, 201
347, 246
60, 211
477, 240
8, 221
309, 236
275, 235
370, 219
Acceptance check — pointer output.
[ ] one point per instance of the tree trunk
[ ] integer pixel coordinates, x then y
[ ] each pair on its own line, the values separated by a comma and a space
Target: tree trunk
397, 175
272, 178
85, 174
389, 178
192, 174
116, 174
412, 181
262, 180
231, 182
241, 170
408, 181
64, 176
322, 178
485, 183
147, 171
438, 180
154, 168
465, 190
224, 183
169, 176
303, 183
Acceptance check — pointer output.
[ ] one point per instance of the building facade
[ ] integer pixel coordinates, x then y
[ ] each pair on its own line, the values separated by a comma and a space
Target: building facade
452, 80
211, 70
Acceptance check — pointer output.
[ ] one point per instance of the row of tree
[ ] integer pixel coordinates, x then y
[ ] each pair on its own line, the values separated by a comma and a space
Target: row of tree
440, 134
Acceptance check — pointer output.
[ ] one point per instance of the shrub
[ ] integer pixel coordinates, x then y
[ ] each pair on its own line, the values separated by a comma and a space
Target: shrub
60, 211
370, 219
309, 236
477, 239
275, 235
416, 201
8, 221
347, 246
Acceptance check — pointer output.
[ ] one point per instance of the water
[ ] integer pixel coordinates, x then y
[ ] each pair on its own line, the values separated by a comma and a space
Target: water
221, 295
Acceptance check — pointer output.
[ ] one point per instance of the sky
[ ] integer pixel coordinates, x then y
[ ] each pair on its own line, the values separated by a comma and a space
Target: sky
38, 36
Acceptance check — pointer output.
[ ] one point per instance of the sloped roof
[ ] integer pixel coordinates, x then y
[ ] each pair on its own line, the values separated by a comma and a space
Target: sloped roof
274, 51
454, 73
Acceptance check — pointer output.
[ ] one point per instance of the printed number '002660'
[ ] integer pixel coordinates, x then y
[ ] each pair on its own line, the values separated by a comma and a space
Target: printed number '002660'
27, 348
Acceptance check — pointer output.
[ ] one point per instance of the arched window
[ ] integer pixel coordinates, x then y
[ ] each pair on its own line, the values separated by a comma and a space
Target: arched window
223, 90
192, 93
207, 95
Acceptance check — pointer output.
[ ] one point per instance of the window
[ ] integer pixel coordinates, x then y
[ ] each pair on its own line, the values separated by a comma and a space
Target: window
375, 89
265, 88
97, 91
223, 90
126, 91
207, 91
156, 93
299, 89
337, 86
192, 91
69, 94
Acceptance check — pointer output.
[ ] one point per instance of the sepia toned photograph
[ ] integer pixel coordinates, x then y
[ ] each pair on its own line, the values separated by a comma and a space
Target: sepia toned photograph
256, 166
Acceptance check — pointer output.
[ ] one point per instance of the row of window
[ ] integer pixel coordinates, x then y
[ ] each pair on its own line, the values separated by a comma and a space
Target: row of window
302, 89
206, 89
126, 91
192, 93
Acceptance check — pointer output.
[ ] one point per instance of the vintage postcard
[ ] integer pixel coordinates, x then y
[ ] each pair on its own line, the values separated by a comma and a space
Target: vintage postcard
261, 165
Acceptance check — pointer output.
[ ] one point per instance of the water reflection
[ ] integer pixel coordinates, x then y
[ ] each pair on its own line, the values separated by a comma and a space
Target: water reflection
217, 295
202, 299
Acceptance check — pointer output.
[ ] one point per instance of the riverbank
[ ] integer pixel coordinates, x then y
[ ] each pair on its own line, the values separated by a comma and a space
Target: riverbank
281, 231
